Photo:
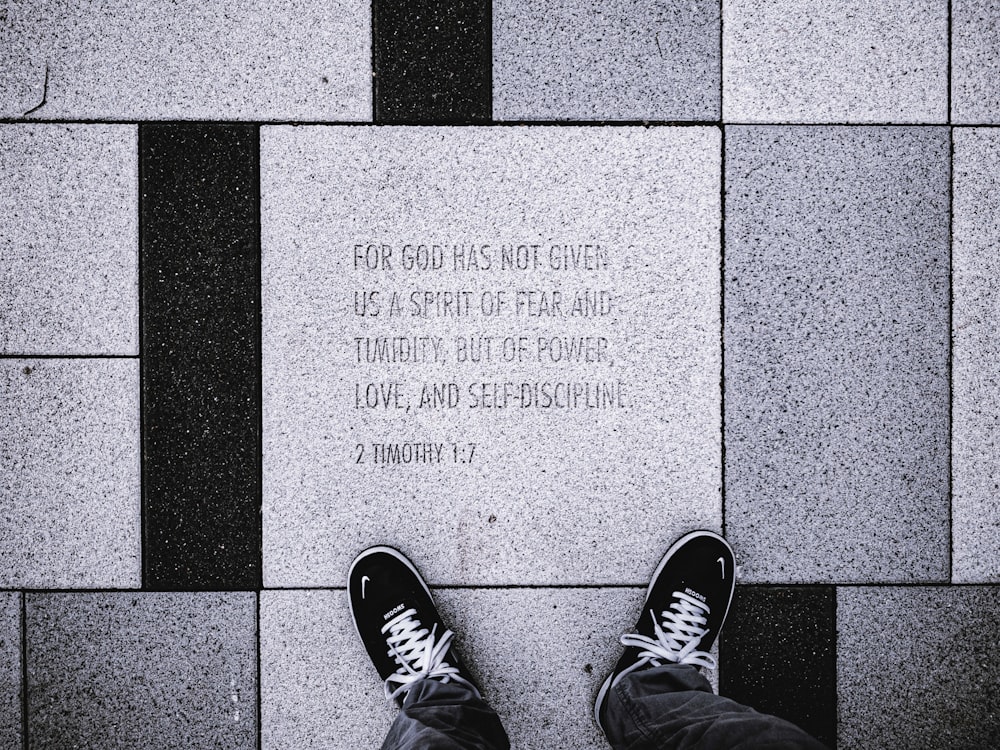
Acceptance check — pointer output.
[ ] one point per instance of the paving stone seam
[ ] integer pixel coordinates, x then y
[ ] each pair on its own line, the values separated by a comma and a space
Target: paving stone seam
951, 324
24, 671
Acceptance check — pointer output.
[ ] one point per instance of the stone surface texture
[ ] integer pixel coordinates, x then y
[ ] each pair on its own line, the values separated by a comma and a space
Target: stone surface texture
432, 61
68, 246
119, 669
539, 654
69, 473
976, 357
618, 60
779, 654
917, 666
854, 61
975, 61
185, 60
10, 669
542, 495
836, 335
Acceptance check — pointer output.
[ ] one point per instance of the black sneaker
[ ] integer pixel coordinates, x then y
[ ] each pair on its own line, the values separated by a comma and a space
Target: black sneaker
686, 605
396, 618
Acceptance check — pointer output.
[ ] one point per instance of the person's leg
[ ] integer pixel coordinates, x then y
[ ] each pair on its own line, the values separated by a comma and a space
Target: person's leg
655, 698
394, 613
673, 706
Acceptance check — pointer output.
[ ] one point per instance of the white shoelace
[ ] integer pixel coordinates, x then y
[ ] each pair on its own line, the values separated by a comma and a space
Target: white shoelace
682, 628
418, 655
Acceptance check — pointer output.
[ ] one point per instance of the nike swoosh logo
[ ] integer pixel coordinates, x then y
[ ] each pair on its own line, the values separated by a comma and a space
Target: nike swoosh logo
364, 580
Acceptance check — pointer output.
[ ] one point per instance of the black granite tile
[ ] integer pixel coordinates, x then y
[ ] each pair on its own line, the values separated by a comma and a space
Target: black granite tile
433, 61
200, 348
778, 654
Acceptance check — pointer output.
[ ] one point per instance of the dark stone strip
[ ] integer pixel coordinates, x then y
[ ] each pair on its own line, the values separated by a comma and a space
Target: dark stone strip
201, 398
433, 61
778, 654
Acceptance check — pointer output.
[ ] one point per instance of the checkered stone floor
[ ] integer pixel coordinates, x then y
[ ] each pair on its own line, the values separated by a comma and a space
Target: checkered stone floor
273, 275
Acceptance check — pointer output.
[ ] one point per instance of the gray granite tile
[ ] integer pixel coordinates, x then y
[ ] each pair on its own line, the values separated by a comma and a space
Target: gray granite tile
917, 667
69, 473
540, 656
976, 358
550, 482
10, 670
68, 249
975, 61
120, 669
225, 60
849, 61
837, 346
618, 60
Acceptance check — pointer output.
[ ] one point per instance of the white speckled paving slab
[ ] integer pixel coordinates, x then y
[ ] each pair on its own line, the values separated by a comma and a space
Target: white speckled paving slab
578, 266
186, 60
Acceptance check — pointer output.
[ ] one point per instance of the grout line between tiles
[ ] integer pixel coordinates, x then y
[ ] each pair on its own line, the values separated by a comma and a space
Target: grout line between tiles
949, 48
142, 392
259, 690
951, 351
502, 123
836, 673
259, 365
722, 326
24, 671
69, 356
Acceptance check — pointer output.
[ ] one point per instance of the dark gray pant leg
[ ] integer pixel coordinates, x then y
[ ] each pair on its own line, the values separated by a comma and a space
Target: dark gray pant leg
445, 716
673, 706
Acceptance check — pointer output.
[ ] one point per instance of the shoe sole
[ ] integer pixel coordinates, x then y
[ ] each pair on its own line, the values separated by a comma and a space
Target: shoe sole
606, 686
393, 552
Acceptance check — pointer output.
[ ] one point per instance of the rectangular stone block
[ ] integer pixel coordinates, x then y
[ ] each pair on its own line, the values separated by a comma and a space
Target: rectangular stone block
975, 61
540, 656
504, 340
119, 669
976, 358
68, 249
590, 60
854, 61
69, 473
187, 60
837, 345
917, 666
10, 669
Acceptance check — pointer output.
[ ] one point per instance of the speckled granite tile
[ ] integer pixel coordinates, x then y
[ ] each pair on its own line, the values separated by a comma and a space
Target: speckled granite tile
618, 60
68, 257
540, 656
836, 331
69, 473
524, 489
200, 356
10, 670
117, 670
976, 358
917, 666
186, 60
813, 61
975, 61
432, 61
779, 655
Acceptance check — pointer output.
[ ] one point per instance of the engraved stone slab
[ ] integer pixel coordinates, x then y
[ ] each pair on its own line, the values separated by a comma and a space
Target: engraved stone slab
917, 666
504, 342
605, 60
68, 247
69, 473
186, 60
812, 61
976, 353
